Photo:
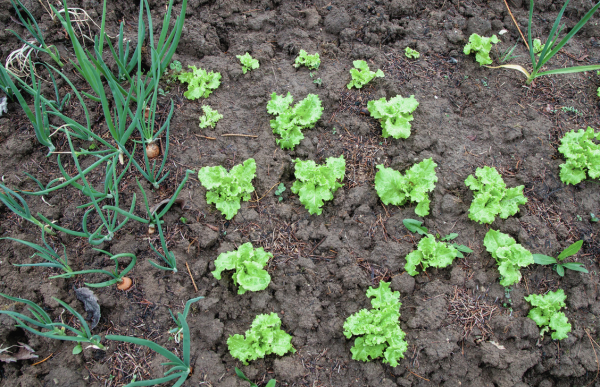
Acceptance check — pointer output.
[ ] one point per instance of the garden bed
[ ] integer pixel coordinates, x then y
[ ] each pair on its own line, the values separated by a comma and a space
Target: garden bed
462, 327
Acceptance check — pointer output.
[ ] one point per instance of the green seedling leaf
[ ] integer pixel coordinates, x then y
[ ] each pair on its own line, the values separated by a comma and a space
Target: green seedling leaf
394, 115
575, 266
582, 156
379, 328
248, 63
397, 189
210, 117
429, 253
227, 189
410, 53
248, 264
546, 313
361, 74
482, 47
311, 61
542, 259
571, 250
491, 197
263, 338
291, 121
316, 184
509, 256
462, 248
450, 237
415, 226
200, 82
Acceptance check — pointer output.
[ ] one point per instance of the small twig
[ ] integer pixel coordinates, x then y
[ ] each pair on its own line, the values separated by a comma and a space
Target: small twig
514, 21
592, 341
208, 138
238, 135
418, 376
258, 200
192, 278
43, 360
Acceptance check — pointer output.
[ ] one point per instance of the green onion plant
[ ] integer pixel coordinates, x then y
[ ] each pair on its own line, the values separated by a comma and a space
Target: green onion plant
552, 46
116, 277
168, 257
18, 205
179, 368
41, 320
52, 258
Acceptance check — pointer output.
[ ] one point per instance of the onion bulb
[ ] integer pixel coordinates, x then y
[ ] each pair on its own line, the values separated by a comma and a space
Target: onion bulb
125, 283
152, 150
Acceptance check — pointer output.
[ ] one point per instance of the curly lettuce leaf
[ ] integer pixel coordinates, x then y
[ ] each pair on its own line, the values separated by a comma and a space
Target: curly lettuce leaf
482, 47
394, 115
491, 197
430, 253
582, 156
248, 264
291, 120
226, 190
395, 188
264, 337
361, 74
200, 82
546, 313
509, 256
316, 184
210, 117
304, 59
248, 63
379, 328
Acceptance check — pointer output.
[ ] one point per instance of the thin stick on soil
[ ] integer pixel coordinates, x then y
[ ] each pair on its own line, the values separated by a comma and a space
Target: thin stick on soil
592, 341
192, 278
258, 200
514, 21
238, 135
52, 354
418, 376
208, 138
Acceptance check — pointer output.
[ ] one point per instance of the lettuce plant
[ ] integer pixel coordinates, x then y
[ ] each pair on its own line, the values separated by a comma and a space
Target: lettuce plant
227, 189
379, 327
417, 226
264, 337
316, 184
248, 63
492, 197
311, 61
509, 255
430, 253
200, 82
210, 117
394, 115
397, 189
410, 53
482, 47
582, 155
248, 264
291, 120
361, 74
546, 313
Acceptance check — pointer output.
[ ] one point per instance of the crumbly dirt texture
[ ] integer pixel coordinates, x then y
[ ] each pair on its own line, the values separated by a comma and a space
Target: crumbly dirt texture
462, 327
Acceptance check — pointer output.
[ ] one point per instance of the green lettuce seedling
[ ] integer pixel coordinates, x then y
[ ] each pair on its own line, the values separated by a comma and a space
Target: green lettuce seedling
509, 255
248, 264
210, 117
264, 337
430, 253
361, 74
546, 313
557, 263
482, 47
379, 327
316, 184
200, 83
414, 225
491, 197
311, 61
394, 115
582, 155
248, 63
227, 190
410, 53
291, 120
537, 46
397, 189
